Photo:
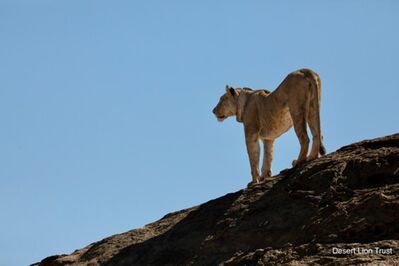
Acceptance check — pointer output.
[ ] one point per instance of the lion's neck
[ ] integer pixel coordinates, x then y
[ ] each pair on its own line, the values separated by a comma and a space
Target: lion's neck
241, 103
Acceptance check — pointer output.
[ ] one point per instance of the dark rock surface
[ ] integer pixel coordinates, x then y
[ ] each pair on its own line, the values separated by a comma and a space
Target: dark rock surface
348, 199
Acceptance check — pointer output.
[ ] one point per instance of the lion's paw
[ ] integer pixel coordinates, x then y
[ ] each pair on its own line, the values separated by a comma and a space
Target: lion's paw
253, 183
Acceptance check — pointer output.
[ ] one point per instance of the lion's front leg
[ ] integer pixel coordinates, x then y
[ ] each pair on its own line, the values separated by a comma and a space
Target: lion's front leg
253, 149
267, 159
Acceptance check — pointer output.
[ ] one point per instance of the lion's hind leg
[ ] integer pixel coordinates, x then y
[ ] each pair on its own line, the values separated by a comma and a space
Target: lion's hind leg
313, 119
316, 134
299, 121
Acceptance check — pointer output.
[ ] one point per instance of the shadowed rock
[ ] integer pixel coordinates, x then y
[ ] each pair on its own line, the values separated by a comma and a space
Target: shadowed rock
348, 199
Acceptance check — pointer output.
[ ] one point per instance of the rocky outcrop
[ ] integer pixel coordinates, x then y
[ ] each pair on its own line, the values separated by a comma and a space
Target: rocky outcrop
345, 202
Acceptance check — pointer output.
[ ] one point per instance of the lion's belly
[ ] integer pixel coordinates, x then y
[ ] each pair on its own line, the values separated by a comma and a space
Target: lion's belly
276, 125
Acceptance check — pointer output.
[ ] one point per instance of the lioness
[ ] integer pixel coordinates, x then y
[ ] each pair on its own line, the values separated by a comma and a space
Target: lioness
267, 115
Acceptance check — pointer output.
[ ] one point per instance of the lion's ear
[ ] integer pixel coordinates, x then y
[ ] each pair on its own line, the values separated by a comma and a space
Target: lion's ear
231, 90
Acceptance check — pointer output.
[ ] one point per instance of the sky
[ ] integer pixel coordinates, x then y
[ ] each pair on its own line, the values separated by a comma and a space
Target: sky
105, 106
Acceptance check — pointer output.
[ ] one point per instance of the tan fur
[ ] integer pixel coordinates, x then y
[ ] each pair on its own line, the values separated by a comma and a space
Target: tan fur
266, 116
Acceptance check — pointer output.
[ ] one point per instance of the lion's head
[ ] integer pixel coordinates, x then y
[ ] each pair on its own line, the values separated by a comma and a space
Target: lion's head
227, 105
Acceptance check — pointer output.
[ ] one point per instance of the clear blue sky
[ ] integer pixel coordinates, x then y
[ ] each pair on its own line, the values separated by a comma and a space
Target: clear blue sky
105, 106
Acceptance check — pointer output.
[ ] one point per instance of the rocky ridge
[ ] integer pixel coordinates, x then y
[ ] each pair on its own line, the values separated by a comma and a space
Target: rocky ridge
345, 201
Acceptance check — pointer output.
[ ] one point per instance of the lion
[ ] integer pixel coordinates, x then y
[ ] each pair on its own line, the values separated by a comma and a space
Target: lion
267, 115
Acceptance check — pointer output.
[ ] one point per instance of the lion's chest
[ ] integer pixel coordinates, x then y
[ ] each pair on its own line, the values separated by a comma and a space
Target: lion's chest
273, 125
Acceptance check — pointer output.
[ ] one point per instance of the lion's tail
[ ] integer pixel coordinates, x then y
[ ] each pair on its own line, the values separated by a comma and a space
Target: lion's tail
315, 82
317, 87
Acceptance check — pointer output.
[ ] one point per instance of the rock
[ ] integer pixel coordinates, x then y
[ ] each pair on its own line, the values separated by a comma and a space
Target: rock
346, 201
